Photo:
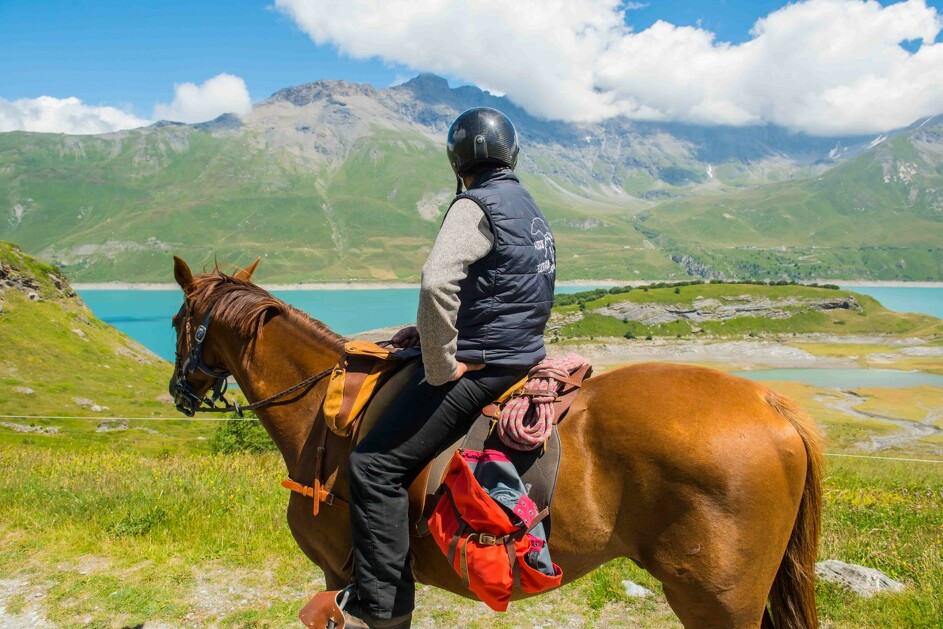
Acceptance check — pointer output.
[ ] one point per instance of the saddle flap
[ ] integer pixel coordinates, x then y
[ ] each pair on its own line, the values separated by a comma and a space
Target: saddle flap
383, 398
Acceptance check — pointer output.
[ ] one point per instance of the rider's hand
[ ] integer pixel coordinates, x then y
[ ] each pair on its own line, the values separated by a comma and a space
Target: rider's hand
462, 368
407, 337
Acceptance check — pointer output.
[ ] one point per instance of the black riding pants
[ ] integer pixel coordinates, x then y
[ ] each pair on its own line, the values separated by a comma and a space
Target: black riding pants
422, 421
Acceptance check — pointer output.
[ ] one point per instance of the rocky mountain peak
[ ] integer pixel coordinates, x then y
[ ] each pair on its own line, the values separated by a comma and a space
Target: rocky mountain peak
307, 93
426, 84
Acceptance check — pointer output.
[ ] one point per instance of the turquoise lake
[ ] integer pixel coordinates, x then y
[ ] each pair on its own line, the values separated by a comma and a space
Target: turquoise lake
144, 315
926, 300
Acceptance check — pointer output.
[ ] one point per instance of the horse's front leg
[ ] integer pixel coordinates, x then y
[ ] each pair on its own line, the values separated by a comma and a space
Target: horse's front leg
304, 529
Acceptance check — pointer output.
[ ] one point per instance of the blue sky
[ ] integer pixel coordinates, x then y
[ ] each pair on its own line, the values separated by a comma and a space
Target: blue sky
129, 55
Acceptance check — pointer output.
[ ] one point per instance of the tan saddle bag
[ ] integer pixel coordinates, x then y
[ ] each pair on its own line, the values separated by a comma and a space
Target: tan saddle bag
362, 369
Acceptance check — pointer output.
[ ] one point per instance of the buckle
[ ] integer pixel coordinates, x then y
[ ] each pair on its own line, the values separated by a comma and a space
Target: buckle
329, 501
200, 334
487, 539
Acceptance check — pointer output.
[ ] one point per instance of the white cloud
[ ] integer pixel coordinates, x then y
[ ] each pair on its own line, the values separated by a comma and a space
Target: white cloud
63, 115
822, 66
224, 93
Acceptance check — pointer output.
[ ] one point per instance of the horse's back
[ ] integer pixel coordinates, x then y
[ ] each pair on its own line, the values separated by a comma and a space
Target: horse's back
654, 406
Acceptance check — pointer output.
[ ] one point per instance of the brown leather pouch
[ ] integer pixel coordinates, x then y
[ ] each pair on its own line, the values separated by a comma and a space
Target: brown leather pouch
362, 369
324, 611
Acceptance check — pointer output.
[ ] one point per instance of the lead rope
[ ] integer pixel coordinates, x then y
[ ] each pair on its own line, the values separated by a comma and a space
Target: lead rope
527, 419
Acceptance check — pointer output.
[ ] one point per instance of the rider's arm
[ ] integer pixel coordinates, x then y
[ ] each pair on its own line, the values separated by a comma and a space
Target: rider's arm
465, 237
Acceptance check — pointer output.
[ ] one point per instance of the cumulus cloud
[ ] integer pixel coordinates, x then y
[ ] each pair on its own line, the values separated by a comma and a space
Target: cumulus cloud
821, 66
224, 93
63, 115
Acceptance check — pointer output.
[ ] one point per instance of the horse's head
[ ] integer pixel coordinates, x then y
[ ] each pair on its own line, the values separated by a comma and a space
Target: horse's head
196, 368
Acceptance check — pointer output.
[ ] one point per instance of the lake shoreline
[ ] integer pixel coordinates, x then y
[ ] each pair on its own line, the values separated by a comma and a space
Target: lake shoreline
157, 286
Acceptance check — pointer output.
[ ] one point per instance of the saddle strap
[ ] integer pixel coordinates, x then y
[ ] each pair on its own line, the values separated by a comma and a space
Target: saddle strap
565, 398
317, 492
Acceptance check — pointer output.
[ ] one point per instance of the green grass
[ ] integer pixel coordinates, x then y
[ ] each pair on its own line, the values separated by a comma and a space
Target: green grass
886, 515
120, 538
68, 359
147, 524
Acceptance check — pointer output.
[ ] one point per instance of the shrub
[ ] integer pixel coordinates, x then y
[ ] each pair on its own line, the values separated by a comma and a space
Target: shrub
240, 435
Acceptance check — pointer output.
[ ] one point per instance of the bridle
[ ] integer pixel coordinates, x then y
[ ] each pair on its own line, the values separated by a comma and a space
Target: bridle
186, 399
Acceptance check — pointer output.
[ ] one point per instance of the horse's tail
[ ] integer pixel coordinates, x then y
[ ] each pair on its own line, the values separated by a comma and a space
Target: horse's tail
792, 597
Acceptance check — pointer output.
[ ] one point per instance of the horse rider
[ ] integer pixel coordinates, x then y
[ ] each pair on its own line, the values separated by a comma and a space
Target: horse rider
487, 289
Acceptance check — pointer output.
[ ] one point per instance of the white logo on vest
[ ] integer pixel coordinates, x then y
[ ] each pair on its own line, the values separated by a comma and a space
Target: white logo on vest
543, 241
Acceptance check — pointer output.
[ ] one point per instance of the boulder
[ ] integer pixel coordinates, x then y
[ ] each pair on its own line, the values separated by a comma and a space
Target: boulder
861, 580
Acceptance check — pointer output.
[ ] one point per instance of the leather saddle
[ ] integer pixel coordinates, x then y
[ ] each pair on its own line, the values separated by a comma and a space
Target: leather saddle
539, 471
423, 489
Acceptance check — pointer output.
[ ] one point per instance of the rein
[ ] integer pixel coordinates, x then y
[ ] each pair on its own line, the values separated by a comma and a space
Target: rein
189, 403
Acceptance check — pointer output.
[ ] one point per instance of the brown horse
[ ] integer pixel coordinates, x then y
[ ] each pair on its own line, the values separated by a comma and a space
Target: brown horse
708, 481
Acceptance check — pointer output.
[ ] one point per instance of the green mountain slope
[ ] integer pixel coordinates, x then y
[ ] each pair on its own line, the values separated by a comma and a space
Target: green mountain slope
877, 216
58, 360
336, 181
116, 207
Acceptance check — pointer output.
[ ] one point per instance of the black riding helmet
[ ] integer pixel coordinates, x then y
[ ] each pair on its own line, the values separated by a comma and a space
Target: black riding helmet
481, 135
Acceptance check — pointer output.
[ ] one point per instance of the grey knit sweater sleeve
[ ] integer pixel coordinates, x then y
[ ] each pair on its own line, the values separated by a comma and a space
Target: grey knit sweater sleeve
465, 237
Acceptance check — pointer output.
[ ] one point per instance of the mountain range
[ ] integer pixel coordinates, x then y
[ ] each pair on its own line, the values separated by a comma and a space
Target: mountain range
338, 181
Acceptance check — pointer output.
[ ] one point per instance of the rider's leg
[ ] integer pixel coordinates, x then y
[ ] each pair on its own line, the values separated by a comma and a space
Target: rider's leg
420, 422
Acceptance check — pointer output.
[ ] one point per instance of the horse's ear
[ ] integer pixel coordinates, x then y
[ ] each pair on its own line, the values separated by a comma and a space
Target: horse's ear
246, 273
182, 274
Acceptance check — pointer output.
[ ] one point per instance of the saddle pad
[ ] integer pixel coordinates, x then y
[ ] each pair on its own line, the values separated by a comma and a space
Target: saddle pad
538, 469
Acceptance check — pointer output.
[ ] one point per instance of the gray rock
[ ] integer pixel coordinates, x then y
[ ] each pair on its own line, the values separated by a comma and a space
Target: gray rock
635, 590
861, 580
42, 430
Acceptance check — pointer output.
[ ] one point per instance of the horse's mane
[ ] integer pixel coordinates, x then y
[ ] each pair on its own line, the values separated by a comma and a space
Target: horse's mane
245, 307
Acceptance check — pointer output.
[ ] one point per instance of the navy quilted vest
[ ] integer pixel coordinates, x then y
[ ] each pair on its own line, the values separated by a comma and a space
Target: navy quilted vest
507, 295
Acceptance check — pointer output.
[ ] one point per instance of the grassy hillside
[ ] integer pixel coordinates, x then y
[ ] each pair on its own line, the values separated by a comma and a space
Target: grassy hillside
877, 216
334, 181
59, 360
112, 207
698, 310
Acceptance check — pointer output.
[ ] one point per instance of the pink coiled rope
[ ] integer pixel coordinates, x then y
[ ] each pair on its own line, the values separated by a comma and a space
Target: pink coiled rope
527, 420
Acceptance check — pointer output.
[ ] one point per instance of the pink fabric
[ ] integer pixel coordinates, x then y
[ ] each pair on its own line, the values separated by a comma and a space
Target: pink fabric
477, 456
527, 420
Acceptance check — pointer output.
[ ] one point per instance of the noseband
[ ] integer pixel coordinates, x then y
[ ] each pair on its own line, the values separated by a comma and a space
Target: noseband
186, 399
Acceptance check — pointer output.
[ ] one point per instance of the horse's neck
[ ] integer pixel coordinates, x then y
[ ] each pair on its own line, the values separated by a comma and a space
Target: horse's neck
284, 354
